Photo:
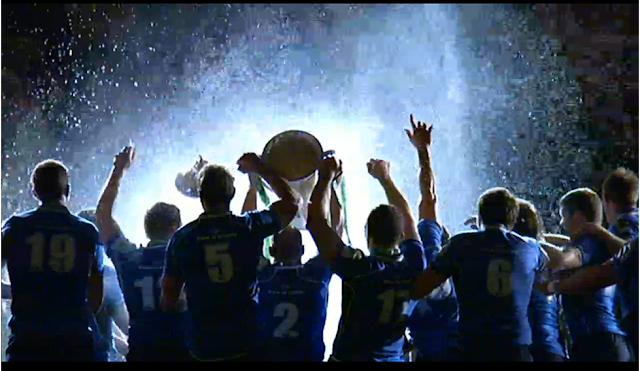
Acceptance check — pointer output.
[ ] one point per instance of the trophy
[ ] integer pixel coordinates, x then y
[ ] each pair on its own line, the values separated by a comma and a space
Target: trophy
295, 155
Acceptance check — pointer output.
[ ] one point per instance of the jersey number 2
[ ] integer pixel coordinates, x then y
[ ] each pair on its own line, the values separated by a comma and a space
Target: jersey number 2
291, 312
219, 263
62, 252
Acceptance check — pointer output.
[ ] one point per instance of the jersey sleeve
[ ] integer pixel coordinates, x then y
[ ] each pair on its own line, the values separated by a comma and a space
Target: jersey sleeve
119, 247
171, 263
625, 228
6, 239
413, 253
349, 263
627, 258
445, 262
431, 235
262, 224
590, 251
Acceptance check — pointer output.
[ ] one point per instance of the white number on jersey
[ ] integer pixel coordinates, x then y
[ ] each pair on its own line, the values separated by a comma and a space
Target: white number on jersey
389, 299
219, 263
147, 289
291, 312
499, 277
62, 252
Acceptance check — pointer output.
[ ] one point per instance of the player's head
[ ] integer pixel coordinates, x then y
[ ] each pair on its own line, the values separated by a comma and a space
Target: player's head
287, 246
579, 207
497, 206
528, 223
216, 187
161, 221
384, 227
50, 181
88, 214
619, 193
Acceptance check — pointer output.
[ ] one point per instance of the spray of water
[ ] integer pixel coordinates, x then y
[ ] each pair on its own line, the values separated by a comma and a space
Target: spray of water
220, 80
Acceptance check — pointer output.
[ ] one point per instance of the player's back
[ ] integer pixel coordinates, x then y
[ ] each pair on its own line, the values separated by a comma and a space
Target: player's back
292, 307
544, 314
493, 273
375, 302
591, 313
141, 272
218, 256
49, 254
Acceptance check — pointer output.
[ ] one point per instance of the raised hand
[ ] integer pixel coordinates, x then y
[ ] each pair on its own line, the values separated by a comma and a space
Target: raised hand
249, 163
330, 167
379, 169
125, 158
420, 134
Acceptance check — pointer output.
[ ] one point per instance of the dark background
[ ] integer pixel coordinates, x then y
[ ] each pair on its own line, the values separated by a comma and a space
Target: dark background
40, 77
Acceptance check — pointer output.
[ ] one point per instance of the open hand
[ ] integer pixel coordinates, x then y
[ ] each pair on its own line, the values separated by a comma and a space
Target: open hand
249, 163
379, 169
200, 164
420, 134
125, 158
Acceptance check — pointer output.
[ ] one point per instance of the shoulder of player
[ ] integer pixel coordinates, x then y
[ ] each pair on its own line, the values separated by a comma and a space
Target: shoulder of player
463, 238
184, 231
18, 218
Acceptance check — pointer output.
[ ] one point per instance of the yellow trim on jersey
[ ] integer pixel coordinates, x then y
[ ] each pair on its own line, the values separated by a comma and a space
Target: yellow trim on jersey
218, 359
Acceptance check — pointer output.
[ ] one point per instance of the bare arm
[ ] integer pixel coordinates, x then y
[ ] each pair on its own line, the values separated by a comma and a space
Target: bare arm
613, 242
379, 169
106, 224
337, 216
583, 281
428, 281
120, 316
328, 241
251, 199
557, 239
427, 207
95, 295
171, 289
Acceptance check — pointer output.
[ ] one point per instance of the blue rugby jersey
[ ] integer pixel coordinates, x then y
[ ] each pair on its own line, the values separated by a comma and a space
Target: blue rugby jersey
292, 310
50, 253
493, 273
217, 257
375, 302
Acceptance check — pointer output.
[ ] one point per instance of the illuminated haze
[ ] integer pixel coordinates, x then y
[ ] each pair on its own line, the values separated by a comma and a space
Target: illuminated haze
350, 75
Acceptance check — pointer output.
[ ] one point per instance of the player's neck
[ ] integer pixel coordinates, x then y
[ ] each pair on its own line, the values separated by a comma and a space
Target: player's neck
217, 209
289, 263
53, 203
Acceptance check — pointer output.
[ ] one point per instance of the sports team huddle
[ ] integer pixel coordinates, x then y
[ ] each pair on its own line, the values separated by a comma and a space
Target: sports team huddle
503, 291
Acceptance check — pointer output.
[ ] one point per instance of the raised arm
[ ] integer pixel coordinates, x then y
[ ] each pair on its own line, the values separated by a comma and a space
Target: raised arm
106, 224
379, 169
327, 239
287, 206
420, 137
251, 199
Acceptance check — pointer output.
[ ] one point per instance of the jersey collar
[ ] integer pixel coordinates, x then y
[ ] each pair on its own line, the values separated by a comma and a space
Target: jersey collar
211, 215
154, 244
54, 206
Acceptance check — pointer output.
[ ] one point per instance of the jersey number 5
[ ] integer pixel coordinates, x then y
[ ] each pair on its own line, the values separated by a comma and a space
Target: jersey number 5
219, 263
499, 277
62, 252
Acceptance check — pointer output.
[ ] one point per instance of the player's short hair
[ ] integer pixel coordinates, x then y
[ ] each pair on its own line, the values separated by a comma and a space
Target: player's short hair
384, 225
293, 250
50, 180
160, 219
621, 188
585, 201
528, 223
498, 206
216, 184
88, 214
